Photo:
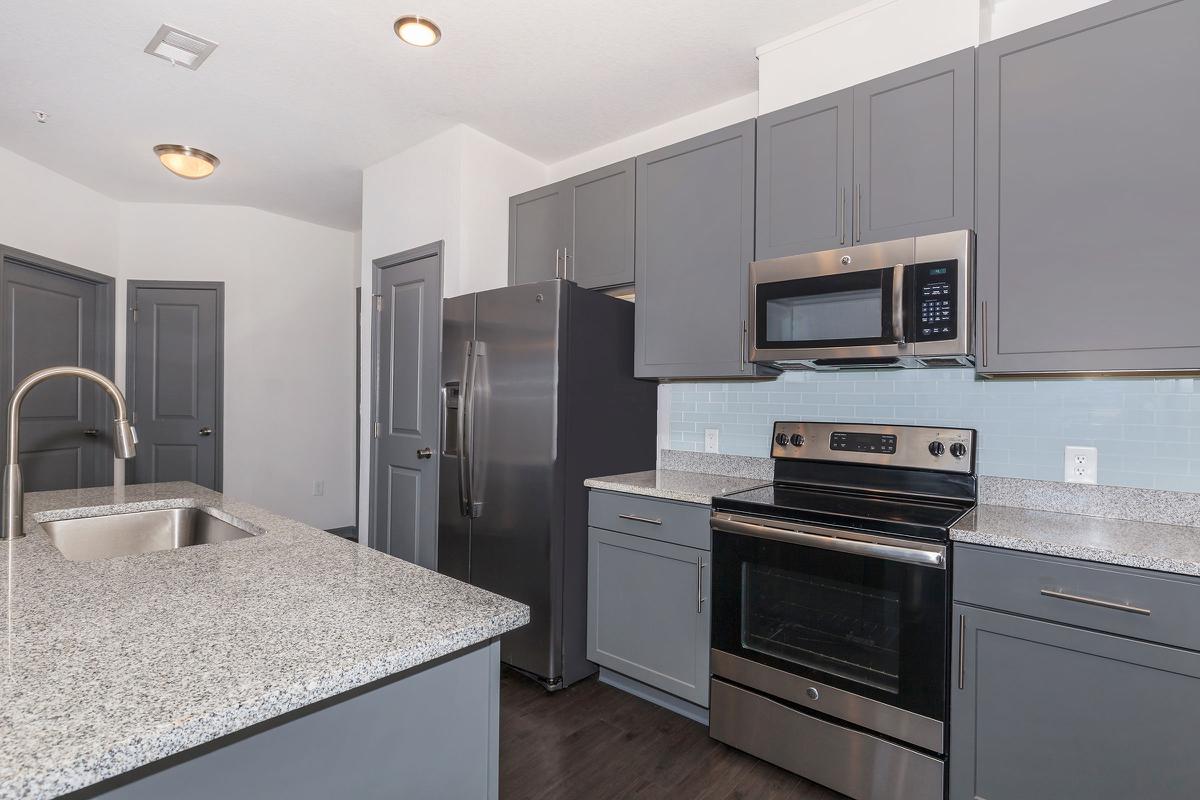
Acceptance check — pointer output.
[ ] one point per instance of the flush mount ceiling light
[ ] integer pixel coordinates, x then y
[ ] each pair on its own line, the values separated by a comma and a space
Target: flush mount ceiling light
186, 162
417, 31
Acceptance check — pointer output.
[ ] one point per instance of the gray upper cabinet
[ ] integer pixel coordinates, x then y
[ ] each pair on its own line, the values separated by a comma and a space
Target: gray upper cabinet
804, 177
914, 150
1087, 192
889, 158
601, 219
538, 230
1051, 711
580, 228
695, 242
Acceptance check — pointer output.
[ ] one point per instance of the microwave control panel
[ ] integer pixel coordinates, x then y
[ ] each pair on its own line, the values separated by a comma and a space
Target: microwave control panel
935, 301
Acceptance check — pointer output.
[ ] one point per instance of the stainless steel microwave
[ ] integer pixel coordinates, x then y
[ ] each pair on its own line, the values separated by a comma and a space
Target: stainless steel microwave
904, 303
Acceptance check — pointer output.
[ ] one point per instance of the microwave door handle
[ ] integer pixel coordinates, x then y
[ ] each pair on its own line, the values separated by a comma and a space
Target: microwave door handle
898, 303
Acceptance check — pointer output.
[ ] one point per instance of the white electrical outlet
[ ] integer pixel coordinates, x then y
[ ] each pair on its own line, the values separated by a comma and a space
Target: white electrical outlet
1081, 465
712, 440
318, 488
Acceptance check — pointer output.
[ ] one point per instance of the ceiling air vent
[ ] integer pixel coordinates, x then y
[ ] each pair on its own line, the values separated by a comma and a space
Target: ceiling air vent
181, 48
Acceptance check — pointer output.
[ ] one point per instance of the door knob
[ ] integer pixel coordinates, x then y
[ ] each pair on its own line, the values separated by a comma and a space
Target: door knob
206, 431
91, 432
424, 452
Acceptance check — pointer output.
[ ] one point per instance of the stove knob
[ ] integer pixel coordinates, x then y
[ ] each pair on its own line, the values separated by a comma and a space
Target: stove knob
781, 439
936, 448
958, 449
797, 440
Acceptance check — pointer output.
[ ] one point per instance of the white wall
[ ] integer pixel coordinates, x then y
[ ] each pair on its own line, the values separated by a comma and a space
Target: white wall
453, 187
1002, 17
289, 344
55, 217
873, 39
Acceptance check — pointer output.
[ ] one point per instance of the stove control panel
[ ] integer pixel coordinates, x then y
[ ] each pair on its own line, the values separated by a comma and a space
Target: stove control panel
942, 449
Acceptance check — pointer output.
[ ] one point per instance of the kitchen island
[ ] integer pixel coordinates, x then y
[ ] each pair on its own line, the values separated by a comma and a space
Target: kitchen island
290, 663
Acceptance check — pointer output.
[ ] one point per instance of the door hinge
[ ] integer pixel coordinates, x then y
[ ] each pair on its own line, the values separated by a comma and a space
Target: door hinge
378, 302
375, 430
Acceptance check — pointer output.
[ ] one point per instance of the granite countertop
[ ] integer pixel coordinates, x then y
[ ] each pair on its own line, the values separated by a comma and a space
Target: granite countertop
109, 665
1146, 545
687, 487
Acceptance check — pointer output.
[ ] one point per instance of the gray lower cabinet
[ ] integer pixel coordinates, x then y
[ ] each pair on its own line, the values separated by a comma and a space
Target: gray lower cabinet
648, 612
695, 242
580, 228
889, 158
1046, 708
1087, 202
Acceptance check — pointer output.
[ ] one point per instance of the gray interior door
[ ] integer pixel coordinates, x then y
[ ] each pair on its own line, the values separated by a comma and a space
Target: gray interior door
407, 347
538, 231
804, 175
516, 539
54, 319
174, 356
914, 150
601, 224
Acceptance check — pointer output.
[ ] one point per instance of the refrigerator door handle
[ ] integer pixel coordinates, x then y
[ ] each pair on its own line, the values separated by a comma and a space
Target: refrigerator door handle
466, 431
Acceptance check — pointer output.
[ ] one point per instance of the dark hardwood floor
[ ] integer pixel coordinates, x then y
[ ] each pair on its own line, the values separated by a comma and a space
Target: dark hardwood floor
594, 742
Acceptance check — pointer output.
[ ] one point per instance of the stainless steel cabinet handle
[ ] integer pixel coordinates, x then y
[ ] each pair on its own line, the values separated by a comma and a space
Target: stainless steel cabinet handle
206, 431
557, 260
1058, 594
858, 213
636, 518
983, 329
424, 452
568, 268
962, 650
91, 432
842, 217
699, 584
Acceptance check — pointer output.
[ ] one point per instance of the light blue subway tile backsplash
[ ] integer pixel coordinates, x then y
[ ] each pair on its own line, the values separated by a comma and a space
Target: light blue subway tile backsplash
1147, 431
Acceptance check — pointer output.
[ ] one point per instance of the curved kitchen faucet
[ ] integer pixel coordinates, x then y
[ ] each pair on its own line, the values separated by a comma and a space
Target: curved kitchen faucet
125, 440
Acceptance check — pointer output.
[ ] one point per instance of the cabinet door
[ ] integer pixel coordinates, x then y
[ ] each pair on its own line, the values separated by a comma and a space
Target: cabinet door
648, 612
914, 150
695, 242
1049, 711
804, 175
1087, 201
600, 208
538, 230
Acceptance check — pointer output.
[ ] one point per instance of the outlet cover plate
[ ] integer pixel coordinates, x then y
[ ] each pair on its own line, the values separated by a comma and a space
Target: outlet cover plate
712, 440
1081, 464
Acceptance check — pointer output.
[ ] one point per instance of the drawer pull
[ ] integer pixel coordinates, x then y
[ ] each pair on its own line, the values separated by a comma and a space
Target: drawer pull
636, 518
1092, 601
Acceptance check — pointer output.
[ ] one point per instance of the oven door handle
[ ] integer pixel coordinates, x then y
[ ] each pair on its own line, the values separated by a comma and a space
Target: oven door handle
891, 552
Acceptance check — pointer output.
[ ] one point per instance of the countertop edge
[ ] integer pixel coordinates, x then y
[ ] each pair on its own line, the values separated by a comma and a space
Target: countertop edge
643, 491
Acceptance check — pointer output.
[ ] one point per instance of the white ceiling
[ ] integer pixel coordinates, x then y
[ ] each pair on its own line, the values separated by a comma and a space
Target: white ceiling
300, 96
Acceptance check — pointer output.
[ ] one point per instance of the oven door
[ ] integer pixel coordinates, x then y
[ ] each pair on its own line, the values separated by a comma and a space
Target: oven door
847, 624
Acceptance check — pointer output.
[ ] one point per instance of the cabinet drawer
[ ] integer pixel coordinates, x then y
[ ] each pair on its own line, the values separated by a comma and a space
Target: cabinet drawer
664, 520
1143, 605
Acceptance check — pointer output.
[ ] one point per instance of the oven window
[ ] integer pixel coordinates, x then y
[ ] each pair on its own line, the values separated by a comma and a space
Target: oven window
826, 624
852, 308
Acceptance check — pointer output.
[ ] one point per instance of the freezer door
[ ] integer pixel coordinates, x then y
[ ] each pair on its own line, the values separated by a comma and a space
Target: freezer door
454, 529
516, 539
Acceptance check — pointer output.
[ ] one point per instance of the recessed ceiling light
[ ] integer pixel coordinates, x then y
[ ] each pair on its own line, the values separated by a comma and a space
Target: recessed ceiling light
186, 162
417, 31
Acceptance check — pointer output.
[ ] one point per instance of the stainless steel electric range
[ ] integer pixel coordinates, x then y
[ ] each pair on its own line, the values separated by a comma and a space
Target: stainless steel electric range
831, 605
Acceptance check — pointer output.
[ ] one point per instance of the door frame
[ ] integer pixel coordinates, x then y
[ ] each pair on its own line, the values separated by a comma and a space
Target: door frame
378, 265
131, 287
106, 326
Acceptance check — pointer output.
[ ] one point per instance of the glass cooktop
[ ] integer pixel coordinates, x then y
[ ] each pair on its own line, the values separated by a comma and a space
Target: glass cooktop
900, 516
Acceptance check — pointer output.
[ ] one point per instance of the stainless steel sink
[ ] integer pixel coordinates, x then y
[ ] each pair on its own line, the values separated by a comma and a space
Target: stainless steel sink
112, 535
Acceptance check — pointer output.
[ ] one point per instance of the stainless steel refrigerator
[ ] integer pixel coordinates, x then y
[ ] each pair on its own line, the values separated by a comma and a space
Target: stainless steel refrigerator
538, 394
